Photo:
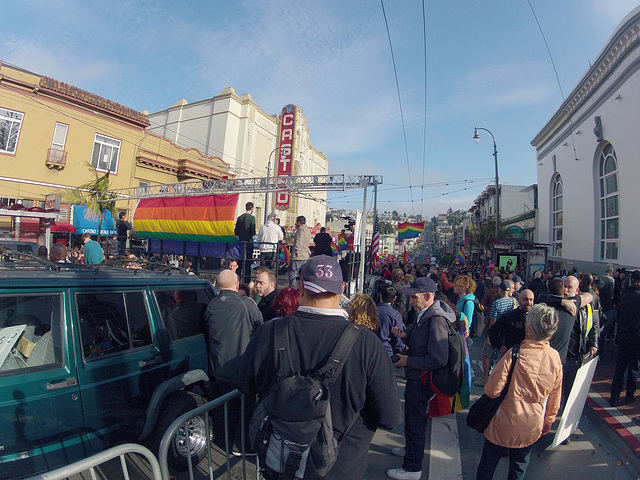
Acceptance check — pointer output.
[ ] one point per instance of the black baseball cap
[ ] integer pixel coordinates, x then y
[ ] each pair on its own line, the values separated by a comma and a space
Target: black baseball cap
321, 274
421, 285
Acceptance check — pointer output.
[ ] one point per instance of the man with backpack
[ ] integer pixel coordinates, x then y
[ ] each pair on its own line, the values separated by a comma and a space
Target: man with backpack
361, 387
428, 343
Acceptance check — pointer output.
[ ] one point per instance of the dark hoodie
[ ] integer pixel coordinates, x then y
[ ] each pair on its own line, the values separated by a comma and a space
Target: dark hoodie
429, 343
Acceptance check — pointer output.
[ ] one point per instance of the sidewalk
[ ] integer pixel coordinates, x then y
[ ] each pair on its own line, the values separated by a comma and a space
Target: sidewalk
624, 420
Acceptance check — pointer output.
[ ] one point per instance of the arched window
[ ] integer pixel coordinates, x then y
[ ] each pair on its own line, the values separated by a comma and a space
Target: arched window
556, 218
609, 206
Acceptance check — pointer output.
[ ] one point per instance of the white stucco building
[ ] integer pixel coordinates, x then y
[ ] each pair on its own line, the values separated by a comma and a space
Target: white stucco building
235, 129
588, 158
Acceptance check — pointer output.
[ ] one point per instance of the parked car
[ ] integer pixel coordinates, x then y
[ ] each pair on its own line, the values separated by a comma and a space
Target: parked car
21, 246
91, 357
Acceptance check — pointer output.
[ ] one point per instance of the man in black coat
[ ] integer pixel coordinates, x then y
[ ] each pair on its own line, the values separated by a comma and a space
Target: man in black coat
266, 288
363, 395
628, 340
509, 328
428, 343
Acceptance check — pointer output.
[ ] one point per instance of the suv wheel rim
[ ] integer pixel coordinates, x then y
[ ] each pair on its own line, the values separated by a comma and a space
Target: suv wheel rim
197, 432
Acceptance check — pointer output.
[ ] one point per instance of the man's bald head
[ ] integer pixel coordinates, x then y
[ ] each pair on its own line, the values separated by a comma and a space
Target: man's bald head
571, 286
525, 300
227, 280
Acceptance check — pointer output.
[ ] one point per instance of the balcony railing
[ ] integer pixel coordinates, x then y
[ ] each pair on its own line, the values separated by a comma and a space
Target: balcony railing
56, 158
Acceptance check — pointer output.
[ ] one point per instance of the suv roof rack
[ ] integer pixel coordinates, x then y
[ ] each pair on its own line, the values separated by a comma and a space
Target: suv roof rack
24, 261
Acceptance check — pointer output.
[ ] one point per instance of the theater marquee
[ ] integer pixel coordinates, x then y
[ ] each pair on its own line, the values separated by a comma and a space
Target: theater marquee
285, 159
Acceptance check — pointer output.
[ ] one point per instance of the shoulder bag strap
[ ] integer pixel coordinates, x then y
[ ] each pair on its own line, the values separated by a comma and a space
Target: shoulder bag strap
515, 353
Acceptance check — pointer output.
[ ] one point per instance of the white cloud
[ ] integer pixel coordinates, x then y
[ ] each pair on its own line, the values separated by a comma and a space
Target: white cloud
613, 10
500, 87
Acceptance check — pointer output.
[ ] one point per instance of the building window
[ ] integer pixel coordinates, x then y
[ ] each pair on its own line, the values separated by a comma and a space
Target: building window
10, 123
105, 154
609, 205
556, 211
59, 136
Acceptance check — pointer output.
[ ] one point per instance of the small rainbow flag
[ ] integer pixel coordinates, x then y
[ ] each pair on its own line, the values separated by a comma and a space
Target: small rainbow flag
408, 230
334, 248
207, 218
461, 257
342, 242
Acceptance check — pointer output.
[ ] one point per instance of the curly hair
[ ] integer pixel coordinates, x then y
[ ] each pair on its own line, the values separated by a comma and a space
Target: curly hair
398, 275
466, 282
362, 311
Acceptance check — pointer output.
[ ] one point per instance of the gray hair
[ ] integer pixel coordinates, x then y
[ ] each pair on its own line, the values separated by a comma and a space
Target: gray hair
543, 321
272, 217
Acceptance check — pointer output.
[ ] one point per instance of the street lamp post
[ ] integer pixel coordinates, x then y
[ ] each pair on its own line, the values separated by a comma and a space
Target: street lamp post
266, 192
476, 137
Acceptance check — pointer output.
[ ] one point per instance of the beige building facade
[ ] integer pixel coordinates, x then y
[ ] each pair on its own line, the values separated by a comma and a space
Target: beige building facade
52, 136
238, 131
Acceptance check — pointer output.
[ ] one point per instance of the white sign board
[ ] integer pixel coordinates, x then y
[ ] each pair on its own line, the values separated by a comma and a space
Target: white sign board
575, 403
8, 338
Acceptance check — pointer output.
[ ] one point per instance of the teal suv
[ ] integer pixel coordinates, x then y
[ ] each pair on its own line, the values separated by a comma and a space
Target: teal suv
92, 357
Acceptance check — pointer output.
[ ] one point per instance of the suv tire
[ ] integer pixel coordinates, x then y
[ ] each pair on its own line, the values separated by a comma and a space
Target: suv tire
175, 405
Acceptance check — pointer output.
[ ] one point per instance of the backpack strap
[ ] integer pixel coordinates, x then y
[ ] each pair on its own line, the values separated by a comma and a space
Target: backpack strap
282, 350
338, 355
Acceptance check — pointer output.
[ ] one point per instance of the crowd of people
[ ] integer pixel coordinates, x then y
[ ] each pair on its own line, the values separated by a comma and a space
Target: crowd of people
556, 318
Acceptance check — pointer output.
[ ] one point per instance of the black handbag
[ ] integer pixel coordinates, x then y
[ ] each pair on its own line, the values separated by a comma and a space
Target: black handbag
483, 409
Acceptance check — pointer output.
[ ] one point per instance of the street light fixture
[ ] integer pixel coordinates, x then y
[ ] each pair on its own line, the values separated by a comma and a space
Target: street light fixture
476, 137
266, 193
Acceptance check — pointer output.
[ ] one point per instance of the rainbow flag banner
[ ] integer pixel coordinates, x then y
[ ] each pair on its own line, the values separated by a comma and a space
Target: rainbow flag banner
207, 218
408, 230
334, 248
342, 242
461, 257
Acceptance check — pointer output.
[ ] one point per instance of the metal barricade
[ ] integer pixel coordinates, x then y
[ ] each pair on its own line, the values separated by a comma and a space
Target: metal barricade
205, 409
89, 464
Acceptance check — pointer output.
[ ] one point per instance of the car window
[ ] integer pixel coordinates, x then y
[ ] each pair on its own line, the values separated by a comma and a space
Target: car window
183, 310
112, 322
30, 332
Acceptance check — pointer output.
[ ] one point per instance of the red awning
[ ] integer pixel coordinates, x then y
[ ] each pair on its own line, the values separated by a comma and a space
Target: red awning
29, 225
64, 227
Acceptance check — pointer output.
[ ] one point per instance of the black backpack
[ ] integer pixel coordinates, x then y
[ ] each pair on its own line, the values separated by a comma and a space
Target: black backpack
448, 380
291, 428
477, 323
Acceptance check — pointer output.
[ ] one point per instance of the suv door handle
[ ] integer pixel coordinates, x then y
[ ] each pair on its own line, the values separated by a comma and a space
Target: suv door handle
151, 362
66, 382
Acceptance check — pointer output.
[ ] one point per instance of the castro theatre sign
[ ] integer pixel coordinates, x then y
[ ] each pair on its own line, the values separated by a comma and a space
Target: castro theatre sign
285, 159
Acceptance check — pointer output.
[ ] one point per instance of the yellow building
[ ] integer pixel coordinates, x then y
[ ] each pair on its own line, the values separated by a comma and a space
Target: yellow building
51, 132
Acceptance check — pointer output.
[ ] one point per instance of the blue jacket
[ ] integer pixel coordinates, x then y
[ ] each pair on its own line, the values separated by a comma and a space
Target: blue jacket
389, 317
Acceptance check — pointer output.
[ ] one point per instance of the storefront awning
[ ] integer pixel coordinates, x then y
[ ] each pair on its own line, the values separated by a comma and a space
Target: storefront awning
84, 223
62, 227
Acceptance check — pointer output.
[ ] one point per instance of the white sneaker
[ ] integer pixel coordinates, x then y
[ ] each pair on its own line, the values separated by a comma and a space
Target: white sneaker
402, 474
398, 451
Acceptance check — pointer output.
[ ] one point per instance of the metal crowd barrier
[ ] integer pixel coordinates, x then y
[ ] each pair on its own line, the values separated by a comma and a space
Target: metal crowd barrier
99, 458
183, 420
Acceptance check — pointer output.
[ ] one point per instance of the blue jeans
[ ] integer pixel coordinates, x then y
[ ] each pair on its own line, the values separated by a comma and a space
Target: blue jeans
627, 359
416, 402
491, 454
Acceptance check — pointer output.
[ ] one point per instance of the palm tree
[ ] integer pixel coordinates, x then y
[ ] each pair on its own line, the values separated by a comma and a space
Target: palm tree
95, 195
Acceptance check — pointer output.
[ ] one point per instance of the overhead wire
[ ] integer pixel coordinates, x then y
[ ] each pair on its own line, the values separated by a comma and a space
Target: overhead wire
404, 130
555, 70
424, 139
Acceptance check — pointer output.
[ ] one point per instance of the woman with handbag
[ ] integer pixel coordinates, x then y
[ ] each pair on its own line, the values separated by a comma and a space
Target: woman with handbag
532, 400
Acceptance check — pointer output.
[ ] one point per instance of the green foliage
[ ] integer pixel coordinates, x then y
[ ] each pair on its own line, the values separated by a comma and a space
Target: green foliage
96, 195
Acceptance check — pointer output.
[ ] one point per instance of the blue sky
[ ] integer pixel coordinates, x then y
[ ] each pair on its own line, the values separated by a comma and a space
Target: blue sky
486, 66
